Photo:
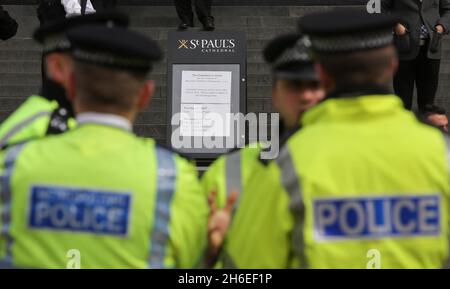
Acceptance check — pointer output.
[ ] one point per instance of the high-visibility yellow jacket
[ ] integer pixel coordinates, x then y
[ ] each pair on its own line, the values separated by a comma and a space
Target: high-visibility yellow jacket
368, 187
118, 200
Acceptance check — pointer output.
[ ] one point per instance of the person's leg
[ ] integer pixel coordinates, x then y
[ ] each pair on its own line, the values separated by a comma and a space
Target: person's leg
203, 10
427, 79
184, 11
104, 5
109, 4
404, 82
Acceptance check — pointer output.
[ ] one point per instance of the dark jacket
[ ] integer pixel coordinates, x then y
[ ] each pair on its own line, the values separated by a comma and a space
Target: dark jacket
412, 13
8, 26
50, 10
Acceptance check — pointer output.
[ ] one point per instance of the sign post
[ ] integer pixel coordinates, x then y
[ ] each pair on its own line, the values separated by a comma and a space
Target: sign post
207, 89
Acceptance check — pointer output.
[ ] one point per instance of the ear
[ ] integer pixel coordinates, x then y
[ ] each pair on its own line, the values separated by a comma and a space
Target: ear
145, 94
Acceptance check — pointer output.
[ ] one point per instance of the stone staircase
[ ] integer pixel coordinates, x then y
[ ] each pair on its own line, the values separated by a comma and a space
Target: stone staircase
20, 56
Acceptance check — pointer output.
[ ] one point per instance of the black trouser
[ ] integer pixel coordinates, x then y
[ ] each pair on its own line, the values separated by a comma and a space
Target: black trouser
422, 71
103, 5
202, 8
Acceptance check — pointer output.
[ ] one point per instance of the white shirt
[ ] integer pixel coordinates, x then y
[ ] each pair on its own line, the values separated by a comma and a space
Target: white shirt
112, 120
73, 7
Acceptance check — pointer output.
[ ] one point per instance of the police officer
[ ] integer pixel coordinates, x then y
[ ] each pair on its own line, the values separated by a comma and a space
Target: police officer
118, 200
296, 89
50, 112
363, 177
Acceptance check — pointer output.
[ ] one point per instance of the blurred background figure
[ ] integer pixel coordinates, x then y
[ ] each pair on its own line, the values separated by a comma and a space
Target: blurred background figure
186, 15
8, 26
418, 38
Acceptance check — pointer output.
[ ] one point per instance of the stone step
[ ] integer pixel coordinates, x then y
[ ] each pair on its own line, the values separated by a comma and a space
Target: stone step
142, 11
21, 44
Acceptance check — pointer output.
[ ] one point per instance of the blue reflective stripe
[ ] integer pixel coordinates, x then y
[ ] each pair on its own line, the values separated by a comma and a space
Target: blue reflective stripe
5, 198
165, 193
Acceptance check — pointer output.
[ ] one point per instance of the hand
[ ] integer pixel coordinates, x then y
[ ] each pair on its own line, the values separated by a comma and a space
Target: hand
438, 120
218, 224
440, 29
400, 29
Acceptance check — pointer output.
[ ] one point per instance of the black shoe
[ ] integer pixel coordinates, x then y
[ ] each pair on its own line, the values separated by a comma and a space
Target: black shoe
209, 24
183, 26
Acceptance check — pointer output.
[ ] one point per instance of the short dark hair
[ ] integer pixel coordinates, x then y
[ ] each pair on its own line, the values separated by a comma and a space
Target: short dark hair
107, 87
359, 67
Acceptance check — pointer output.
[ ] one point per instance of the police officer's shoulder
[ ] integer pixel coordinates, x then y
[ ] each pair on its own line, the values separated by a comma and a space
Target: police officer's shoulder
347, 30
59, 26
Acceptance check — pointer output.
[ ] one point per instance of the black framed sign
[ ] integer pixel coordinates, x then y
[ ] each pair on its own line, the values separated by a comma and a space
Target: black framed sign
207, 89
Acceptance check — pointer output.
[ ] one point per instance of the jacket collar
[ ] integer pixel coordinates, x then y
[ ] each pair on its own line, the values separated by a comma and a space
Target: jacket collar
104, 119
359, 90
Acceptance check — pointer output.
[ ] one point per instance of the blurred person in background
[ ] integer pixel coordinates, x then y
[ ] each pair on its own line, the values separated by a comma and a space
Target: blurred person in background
418, 39
8, 26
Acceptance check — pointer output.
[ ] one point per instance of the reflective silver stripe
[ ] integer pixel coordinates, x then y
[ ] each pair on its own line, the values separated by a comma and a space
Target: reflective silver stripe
291, 183
165, 193
5, 199
18, 127
233, 172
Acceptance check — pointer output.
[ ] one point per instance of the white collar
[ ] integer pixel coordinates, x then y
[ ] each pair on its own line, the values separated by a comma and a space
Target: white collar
104, 119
